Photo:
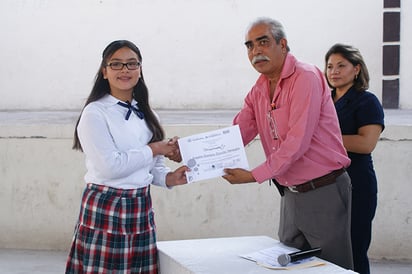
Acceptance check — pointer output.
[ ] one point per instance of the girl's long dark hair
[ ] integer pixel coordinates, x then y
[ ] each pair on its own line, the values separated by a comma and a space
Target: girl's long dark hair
101, 87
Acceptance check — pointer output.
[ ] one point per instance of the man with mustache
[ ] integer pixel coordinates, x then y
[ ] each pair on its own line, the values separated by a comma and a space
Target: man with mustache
291, 109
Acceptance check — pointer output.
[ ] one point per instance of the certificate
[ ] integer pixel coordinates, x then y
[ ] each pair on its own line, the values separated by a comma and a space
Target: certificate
207, 154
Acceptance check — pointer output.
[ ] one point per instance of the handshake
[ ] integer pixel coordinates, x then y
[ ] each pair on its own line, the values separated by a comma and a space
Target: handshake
169, 148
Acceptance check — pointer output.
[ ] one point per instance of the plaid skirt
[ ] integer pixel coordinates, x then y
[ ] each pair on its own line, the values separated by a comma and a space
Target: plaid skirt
115, 232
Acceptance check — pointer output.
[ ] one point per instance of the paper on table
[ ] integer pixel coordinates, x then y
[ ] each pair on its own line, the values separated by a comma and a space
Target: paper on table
268, 258
207, 154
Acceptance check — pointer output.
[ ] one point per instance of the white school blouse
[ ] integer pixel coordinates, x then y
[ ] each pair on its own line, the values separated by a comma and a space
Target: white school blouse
116, 150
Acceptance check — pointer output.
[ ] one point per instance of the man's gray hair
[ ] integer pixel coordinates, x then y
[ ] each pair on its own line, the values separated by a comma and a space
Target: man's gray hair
276, 28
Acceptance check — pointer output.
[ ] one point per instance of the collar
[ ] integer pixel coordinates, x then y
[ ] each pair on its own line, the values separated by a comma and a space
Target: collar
110, 100
350, 94
289, 67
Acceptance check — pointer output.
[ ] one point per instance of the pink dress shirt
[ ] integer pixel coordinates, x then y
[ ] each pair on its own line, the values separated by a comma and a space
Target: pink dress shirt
303, 119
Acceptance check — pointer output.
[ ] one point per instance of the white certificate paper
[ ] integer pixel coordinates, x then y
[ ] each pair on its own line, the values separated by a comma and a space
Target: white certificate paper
207, 154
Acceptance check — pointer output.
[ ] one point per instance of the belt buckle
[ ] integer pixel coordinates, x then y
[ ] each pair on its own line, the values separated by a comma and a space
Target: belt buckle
293, 189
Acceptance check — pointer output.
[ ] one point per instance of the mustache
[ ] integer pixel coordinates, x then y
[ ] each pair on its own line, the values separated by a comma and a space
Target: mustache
260, 58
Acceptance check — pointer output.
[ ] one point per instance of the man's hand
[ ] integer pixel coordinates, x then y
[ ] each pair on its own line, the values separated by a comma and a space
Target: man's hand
238, 176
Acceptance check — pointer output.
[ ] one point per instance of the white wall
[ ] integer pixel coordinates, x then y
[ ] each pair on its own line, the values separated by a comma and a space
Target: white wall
193, 51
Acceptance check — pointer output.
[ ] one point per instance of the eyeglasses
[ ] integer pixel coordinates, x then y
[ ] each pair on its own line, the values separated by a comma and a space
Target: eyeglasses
263, 42
272, 125
119, 65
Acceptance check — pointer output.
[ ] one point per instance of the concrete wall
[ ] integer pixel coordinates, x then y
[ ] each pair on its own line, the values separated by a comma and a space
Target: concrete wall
193, 51
41, 181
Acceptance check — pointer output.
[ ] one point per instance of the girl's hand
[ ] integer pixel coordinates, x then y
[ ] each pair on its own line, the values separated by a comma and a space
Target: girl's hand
177, 177
175, 154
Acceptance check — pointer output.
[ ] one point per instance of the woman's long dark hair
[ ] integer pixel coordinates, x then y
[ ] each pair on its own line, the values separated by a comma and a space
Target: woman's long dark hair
140, 92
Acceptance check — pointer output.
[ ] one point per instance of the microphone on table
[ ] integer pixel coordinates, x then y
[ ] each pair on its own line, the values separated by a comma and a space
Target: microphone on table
285, 259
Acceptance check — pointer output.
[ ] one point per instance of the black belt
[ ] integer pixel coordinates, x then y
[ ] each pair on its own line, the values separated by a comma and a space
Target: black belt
325, 180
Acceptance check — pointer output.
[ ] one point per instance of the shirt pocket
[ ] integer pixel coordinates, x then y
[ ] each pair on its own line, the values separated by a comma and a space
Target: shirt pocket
280, 117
